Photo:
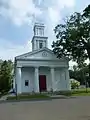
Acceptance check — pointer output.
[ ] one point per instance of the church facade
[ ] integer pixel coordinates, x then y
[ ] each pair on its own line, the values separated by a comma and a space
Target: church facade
40, 70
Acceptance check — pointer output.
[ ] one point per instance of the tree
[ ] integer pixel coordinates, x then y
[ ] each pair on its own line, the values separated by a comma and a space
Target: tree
11, 68
73, 37
5, 76
80, 73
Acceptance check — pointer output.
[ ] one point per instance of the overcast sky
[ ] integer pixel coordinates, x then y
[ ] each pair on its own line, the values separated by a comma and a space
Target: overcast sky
17, 18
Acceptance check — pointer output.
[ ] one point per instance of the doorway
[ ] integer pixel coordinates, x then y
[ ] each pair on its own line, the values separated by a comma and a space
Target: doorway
42, 83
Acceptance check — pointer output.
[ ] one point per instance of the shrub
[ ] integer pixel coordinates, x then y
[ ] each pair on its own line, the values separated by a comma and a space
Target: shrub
74, 83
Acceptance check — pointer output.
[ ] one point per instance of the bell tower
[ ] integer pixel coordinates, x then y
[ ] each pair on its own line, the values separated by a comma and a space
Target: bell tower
39, 40
38, 29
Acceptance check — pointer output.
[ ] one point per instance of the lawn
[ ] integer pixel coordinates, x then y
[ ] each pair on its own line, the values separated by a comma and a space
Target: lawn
81, 92
75, 92
28, 97
82, 89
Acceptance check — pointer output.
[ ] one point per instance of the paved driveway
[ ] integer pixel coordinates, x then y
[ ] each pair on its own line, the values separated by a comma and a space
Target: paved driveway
63, 109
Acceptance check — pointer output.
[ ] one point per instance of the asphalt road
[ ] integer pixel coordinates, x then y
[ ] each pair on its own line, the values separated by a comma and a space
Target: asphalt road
63, 109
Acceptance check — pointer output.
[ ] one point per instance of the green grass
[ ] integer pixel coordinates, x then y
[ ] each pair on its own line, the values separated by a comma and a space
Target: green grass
28, 97
74, 92
81, 92
83, 89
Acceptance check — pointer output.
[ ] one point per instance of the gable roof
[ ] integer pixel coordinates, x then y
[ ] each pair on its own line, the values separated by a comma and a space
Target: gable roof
33, 55
34, 52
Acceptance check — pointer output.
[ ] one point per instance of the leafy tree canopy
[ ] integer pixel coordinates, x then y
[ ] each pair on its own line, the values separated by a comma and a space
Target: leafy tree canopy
73, 37
6, 76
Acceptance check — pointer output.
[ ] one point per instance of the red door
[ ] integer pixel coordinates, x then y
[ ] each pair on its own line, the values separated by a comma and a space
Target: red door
42, 83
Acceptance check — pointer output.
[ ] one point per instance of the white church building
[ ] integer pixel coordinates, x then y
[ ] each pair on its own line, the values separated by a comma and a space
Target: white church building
40, 70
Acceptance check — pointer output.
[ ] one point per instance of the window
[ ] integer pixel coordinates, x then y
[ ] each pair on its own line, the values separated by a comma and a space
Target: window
40, 31
40, 45
26, 82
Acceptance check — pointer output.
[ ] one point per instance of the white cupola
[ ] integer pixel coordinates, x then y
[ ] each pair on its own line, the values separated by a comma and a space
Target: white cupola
39, 40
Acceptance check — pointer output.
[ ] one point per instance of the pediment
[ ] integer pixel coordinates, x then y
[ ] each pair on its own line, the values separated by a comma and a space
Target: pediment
39, 54
42, 55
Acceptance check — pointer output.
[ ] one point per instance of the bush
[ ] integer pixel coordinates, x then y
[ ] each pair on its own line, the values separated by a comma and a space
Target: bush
74, 83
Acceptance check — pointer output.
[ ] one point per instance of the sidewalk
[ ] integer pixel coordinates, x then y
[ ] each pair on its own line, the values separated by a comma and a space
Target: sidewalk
58, 97
4, 98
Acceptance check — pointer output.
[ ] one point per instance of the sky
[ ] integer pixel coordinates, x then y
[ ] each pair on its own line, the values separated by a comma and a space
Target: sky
17, 18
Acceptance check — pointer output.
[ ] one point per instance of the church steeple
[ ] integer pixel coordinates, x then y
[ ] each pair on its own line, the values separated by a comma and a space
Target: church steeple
39, 40
39, 29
